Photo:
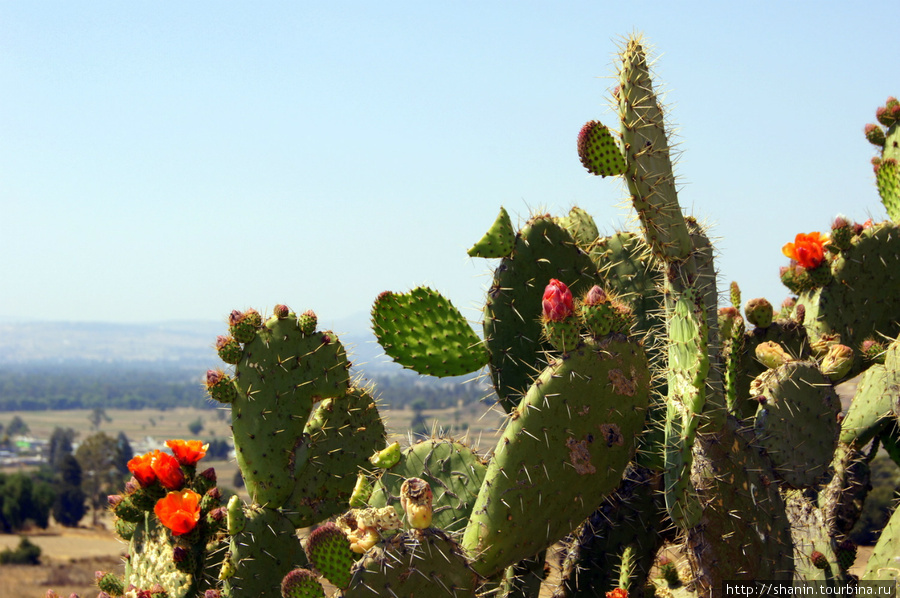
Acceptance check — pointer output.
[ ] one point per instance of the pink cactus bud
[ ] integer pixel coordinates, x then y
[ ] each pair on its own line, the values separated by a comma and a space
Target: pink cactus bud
235, 317
213, 377
557, 302
840, 222
281, 311
595, 296
874, 134
209, 474
114, 499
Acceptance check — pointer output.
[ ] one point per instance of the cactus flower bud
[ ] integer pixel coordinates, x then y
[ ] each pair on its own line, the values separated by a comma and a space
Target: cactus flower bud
308, 322
557, 302
415, 498
220, 386
229, 349
595, 296
109, 583
281, 311
759, 312
875, 134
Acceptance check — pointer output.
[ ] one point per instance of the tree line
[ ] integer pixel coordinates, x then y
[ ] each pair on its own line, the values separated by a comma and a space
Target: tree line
109, 387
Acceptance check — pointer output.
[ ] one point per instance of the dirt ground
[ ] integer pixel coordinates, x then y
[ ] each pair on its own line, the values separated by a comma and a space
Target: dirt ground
69, 558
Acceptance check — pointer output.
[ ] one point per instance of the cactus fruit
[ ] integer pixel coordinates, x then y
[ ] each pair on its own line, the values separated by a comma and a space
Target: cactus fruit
328, 550
301, 583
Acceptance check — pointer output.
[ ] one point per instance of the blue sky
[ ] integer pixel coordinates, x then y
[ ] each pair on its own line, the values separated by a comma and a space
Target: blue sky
165, 161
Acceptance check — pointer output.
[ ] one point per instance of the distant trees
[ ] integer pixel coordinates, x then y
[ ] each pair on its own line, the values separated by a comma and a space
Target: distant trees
17, 427
103, 467
69, 505
24, 502
196, 426
60, 445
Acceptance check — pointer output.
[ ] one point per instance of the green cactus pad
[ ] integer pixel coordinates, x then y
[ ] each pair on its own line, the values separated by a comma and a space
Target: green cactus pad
421, 330
809, 531
581, 226
564, 448
453, 470
262, 554
512, 327
498, 241
887, 178
282, 373
860, 302
417, 563
884, 563
337, 442
599, 151
796, 422
871, 410
649, 167
633, 516
744, 532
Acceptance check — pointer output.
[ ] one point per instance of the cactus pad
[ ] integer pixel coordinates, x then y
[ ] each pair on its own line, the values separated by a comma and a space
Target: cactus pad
498, 241
421, 330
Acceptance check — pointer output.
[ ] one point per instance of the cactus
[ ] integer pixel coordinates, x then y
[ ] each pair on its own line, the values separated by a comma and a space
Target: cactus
639, 413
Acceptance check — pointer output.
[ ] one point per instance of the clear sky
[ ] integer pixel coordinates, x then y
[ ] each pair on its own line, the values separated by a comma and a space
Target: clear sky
177, 160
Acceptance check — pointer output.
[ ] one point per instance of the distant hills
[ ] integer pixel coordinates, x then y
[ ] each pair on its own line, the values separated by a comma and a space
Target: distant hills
187, 345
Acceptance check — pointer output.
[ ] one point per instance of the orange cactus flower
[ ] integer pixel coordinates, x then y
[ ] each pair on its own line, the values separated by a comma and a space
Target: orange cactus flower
807, 250
188, 452
167, 470
142, 469
617, 593
179, 511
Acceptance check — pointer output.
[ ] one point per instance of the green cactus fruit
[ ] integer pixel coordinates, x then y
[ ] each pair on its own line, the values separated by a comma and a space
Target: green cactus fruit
599, 151
875, 135
244, 325
575, 428
772, 355
648, 165
581, 226
237, 519
873, 351
337, 442
110, 583
416, 498
229, 349
454, 471
416, 563
563, 335
759, 312
283, 372
512, 326
301, 583
307, 322
790, 397
821, 275
125, 529
841, 236
871, 410
328, 549
789, 335
220, 386
262, 554
498, 241
796, 278
859, 303
388, 457
421, 330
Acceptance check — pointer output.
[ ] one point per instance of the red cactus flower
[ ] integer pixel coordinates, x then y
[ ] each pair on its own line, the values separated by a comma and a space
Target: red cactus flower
617, 593
557, 302
142, 469
167, 470
808, 250
188, 452
179, 511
